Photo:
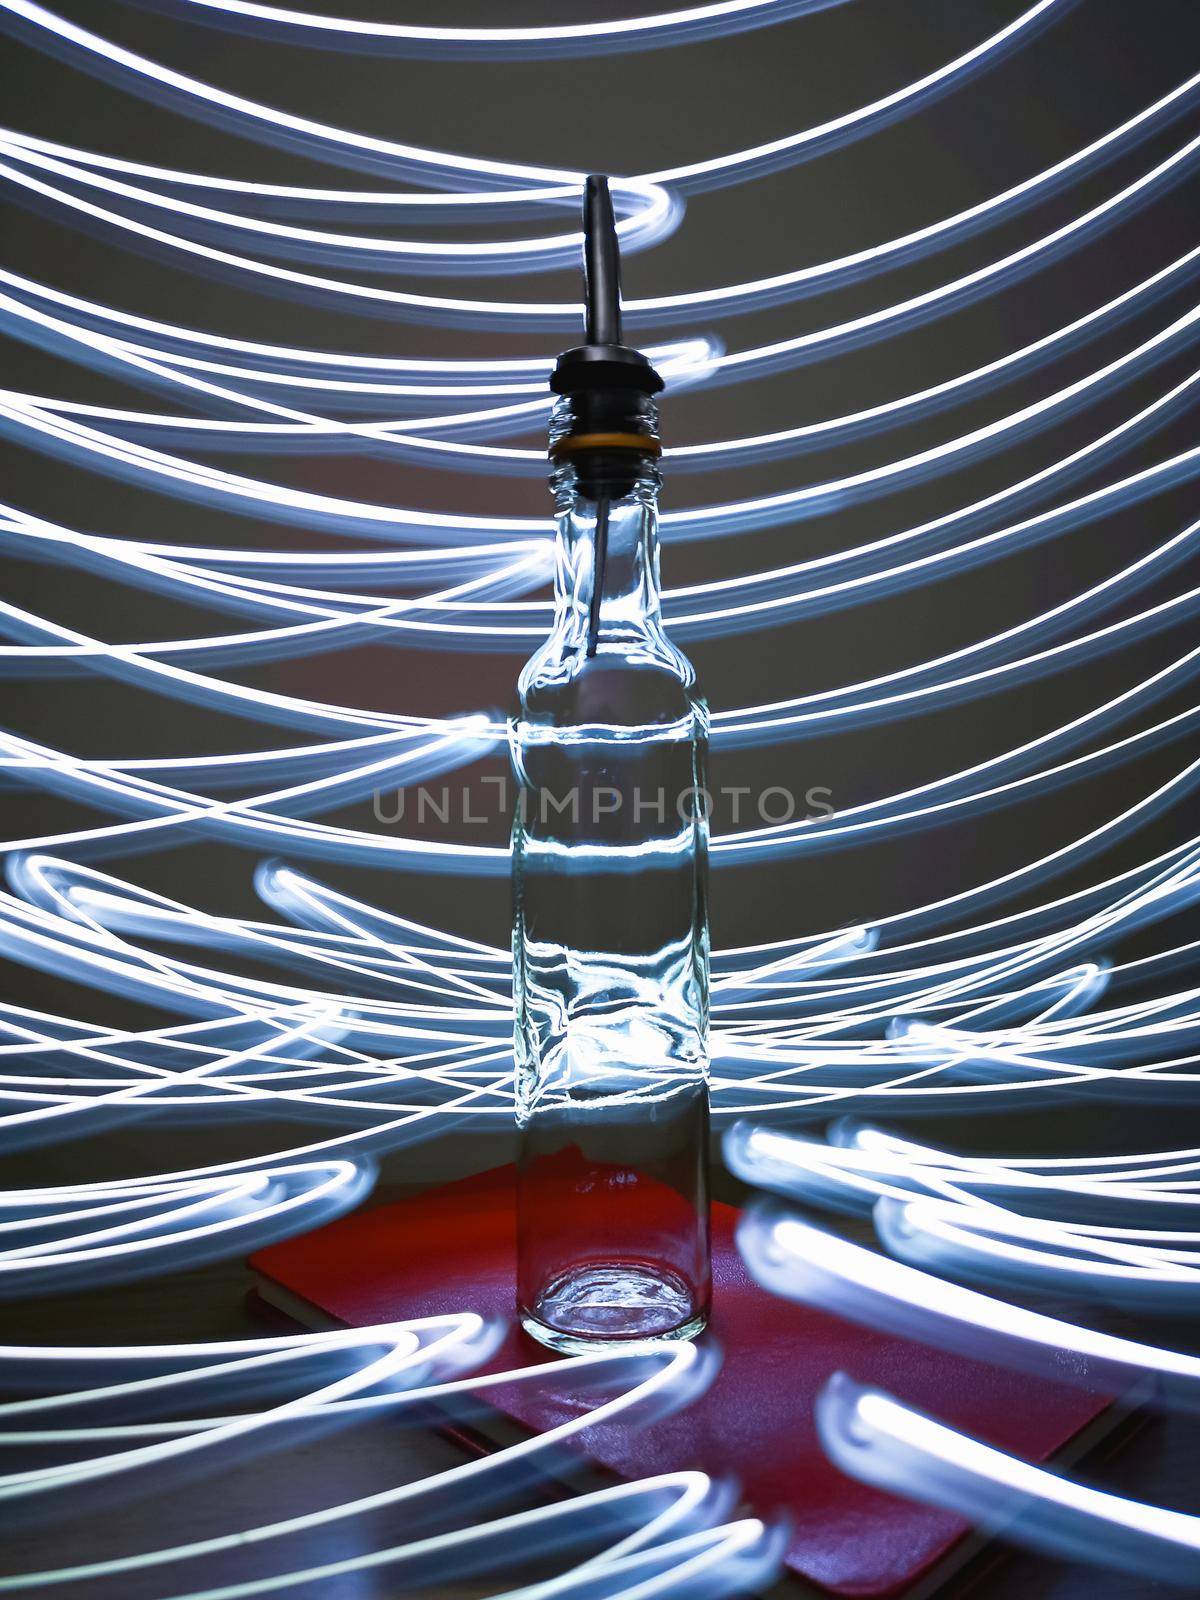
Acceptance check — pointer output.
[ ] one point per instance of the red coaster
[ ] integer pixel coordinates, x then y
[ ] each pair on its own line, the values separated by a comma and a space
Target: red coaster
452, 1249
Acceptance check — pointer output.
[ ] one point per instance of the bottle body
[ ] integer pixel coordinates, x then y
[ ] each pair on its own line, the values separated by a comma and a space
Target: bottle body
610, 947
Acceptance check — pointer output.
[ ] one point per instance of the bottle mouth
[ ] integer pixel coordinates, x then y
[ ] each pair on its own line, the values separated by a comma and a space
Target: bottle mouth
605, 429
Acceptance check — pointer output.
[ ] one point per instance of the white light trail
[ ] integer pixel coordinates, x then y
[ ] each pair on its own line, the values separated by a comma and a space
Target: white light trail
144, 75
326, 1383
720, 18
872, 1436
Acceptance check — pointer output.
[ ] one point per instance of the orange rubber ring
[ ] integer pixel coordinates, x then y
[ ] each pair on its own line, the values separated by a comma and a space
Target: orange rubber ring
646, 443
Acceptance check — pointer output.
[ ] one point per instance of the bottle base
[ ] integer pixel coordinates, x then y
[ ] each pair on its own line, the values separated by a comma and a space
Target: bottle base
609, 1305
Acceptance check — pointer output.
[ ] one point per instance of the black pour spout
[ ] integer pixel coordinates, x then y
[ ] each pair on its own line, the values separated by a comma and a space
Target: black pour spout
602, 362
608, 386
601, 265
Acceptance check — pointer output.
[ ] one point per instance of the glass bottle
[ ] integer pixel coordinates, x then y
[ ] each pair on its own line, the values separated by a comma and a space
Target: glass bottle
610, 936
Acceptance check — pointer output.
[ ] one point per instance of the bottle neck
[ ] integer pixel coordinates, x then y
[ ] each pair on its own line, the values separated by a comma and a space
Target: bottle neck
604, 446
606, 582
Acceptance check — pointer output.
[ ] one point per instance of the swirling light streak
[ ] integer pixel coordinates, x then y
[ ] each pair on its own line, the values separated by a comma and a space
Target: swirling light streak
262, 362
339, 145
62, 1234
855, 331
210, 485
871, 1435
1158, 897
716, 20
881, 697
525, 375
108, 906
652, 223
642, 229
694, 360
403, 441
1144, 1256
271, 819
800, 1261
934, 1211
671, 1527
375, 1030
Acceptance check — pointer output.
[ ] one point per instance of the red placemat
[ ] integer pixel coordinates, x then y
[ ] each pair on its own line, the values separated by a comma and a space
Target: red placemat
452, 1249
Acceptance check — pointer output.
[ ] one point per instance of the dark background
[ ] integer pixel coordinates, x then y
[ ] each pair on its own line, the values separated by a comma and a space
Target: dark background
1091, 66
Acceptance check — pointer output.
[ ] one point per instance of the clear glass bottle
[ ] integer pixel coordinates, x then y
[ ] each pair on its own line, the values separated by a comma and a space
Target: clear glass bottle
610, 936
